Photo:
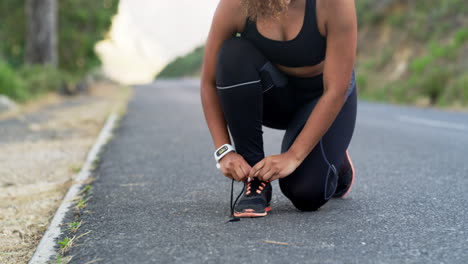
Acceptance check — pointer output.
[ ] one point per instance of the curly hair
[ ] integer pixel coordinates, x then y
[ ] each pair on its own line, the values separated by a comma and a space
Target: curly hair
264, 8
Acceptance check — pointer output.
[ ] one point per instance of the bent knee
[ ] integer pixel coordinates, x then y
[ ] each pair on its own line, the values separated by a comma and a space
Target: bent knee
237, 47
310, 201
307, 197
238, 57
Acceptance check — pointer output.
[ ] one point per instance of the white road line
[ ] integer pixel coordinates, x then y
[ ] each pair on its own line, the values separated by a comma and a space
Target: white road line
45, 249
433, 123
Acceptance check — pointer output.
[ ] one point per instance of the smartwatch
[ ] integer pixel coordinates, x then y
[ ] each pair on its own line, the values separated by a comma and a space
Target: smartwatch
221, 152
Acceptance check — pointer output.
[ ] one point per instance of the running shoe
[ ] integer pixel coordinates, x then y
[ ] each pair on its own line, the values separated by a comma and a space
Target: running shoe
255, 200
345, 178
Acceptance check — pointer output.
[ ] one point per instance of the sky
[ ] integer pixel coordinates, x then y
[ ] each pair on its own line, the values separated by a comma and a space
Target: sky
147, 34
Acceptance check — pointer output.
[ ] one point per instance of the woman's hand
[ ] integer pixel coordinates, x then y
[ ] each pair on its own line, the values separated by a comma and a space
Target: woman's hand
234, 166
275, 167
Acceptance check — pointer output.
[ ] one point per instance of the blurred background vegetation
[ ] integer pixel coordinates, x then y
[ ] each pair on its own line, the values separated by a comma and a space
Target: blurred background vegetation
80, 24
410, 52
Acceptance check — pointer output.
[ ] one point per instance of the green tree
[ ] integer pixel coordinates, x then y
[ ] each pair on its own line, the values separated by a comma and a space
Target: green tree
41, 37
81, 23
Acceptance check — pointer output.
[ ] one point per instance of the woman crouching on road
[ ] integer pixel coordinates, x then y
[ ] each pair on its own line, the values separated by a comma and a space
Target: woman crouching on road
288, 65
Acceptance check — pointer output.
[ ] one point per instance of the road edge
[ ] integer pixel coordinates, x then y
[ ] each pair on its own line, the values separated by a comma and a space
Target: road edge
45, 249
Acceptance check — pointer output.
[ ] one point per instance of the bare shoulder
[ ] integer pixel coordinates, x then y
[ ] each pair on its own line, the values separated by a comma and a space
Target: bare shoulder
336, 14
339, 10
231, 11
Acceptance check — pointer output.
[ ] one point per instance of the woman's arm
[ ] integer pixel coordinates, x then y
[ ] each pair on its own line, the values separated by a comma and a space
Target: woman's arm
227, 21
341, 27
225, 24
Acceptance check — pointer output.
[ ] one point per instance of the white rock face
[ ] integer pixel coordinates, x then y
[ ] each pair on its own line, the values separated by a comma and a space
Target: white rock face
6, 104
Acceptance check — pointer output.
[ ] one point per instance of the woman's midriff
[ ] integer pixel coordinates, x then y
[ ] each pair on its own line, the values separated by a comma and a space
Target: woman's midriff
280, 106
306, 82
302, 72
304, 85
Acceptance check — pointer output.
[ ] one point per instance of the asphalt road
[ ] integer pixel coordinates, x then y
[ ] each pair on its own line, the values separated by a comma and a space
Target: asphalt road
158, 197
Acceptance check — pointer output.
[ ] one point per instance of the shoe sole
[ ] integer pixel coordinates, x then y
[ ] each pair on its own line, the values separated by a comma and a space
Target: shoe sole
352, 179
252, 214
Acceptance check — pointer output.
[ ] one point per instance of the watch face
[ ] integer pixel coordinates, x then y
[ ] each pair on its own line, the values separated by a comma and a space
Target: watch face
221, 151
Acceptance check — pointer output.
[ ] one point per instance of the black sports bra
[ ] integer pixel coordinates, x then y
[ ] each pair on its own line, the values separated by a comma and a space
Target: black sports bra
306, 49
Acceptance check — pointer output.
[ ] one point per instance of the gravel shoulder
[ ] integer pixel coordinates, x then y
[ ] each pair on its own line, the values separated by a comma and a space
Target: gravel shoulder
43, 145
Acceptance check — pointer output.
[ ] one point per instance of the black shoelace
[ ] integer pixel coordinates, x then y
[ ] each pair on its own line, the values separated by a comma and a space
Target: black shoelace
233, 218
256, 185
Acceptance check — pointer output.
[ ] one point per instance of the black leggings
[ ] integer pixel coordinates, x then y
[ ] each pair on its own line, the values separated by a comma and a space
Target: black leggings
253, 92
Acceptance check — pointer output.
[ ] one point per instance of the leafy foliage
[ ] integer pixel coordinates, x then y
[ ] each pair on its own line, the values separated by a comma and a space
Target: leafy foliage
30, 81
12, 32
11, 84
188, 65
436, 33
81, 24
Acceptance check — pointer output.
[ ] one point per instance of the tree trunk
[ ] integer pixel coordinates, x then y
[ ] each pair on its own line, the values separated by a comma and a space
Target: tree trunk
41, 39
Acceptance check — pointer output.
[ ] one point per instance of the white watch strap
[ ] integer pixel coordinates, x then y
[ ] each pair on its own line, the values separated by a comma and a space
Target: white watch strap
222, 151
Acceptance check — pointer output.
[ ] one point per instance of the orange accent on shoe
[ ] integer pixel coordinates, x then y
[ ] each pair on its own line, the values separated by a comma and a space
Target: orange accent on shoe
250, 213
352, 179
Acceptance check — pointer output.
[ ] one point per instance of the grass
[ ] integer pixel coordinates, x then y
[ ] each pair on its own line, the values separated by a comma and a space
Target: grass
66, 243
95, 163
74, 226
11, 84
87, 189
82, 203
435, 76
437, 51
83, 197
75, 169
62, 260
29, 82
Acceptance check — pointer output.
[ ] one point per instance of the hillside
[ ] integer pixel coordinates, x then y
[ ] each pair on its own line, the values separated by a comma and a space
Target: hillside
412, 52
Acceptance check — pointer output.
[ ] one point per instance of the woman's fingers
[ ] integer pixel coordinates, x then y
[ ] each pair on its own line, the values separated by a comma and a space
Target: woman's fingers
235, 167
255, 169
268, 175
239, 174
230, 176
226, 172
263, 172
245, 167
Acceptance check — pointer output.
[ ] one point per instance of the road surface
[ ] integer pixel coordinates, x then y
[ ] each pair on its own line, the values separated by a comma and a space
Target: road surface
158, 197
